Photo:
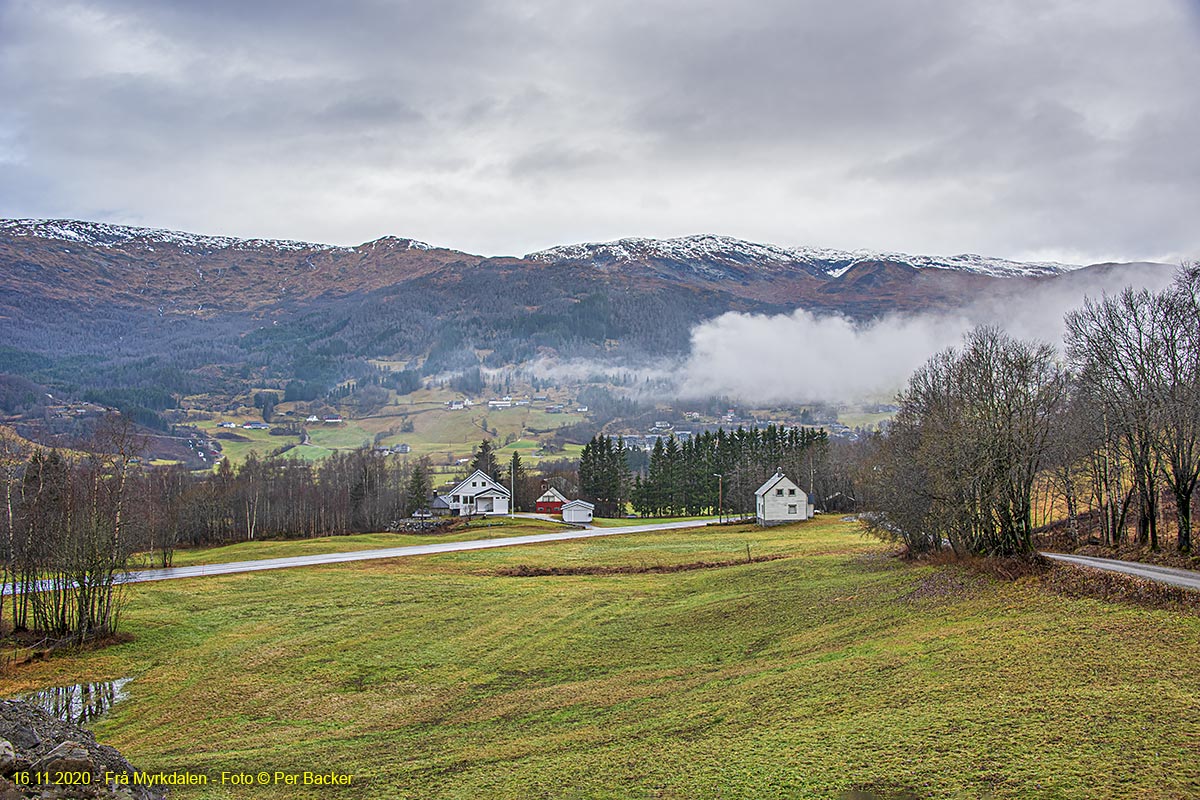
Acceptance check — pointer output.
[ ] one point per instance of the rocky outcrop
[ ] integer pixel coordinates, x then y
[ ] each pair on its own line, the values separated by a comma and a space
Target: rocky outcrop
420, 525
33, 741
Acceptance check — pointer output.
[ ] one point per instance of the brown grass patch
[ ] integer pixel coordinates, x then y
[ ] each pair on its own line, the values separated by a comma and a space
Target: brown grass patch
1002, 568
946, 583
1009, 568
29, 646
1116, 587
1163, 557
526, 571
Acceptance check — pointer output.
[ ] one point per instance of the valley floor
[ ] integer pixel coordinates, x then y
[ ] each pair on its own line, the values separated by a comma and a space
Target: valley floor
836, 668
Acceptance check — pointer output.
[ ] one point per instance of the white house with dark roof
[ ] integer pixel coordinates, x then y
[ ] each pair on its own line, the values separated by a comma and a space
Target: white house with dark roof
478, 494
779, 500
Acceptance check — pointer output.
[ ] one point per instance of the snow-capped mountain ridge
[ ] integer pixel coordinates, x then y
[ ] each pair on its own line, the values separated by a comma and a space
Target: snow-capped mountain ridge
712, 249
395, 243
706, 254
103, 234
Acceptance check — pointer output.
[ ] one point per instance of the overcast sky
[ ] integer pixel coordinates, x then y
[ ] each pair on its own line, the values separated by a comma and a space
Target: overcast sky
1061, 129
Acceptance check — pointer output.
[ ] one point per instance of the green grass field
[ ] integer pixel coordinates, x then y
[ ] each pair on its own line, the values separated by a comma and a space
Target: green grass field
261, 442
275, 548
834, 669
863, 419
443, 435
619, 522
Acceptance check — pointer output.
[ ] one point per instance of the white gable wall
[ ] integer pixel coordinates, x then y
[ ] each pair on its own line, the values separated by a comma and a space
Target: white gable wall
462, 498
552, 495
577, 511
783, 501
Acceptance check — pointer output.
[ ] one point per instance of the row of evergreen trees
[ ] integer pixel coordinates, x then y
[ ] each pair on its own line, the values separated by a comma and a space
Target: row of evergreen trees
711, 472
604, 475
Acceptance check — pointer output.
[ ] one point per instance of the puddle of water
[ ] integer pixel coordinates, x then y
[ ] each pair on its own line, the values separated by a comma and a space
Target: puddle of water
79, 702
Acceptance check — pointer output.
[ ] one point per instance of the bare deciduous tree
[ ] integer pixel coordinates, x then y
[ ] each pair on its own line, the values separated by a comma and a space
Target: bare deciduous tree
972, 434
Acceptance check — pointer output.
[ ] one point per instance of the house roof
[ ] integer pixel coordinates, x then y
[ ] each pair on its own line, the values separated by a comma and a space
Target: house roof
552, 495
579, 504
463, 487
440, 502
770, 484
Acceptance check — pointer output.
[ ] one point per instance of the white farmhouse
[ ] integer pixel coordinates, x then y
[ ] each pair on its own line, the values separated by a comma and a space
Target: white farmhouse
478, 494
577, 511
779, 500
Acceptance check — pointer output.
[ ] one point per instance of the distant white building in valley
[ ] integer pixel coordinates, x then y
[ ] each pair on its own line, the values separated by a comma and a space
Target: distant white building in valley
779, 500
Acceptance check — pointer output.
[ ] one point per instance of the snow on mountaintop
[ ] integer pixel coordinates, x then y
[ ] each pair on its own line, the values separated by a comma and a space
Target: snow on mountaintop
394, 242
835, 263
101, 234
705, 253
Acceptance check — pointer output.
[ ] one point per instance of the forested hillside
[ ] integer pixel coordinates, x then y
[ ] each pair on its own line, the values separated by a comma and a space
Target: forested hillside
137, 318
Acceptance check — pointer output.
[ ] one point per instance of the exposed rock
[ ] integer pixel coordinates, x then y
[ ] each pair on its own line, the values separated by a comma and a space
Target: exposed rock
67, 757
39, 741
21, 735
9, 790
419, 525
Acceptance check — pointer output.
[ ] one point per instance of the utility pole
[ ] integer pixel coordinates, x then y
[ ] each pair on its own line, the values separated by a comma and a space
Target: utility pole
720, 497
512, 487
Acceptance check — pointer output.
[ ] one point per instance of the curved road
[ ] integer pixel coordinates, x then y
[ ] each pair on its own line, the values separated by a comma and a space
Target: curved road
1188, 579
172, 573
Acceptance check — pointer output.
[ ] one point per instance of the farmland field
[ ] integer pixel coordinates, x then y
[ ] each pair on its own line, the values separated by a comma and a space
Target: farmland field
443, 435
274, 548
835, 668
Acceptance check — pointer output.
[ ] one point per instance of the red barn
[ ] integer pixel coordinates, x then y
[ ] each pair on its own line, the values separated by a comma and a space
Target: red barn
551, 502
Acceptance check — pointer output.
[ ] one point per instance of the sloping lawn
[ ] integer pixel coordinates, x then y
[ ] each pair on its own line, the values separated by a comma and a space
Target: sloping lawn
283, 548
834, 669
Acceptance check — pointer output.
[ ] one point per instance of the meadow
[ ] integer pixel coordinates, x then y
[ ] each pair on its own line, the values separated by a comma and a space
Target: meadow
837, 668
443, 435
488, 528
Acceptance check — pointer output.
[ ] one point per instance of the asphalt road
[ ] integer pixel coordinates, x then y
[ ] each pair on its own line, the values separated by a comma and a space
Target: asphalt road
1189, 579
233, 567
1177, 577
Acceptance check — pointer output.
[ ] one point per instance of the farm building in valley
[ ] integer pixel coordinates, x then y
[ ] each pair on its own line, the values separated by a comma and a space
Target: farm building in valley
478, 494
577, 511
779, 500
551, 502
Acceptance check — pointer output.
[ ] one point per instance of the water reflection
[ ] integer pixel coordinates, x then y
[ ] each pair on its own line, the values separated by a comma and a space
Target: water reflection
79, 702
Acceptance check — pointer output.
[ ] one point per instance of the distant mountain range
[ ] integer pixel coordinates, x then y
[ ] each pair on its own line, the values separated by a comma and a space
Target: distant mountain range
93, 306
726, 256
703, 252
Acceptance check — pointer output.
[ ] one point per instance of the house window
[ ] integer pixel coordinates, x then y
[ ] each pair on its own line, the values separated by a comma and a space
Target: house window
791, 508
791, 492
779, 492
454, 499
473, 483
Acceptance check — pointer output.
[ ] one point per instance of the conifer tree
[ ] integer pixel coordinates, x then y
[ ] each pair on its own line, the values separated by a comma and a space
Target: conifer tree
419, 487
516, 475
485, 460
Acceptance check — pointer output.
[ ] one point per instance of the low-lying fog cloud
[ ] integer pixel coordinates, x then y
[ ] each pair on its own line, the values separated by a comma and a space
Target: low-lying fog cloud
804, 358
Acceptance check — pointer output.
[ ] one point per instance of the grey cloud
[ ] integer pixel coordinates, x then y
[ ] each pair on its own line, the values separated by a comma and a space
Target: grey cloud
928, 126
833, 359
